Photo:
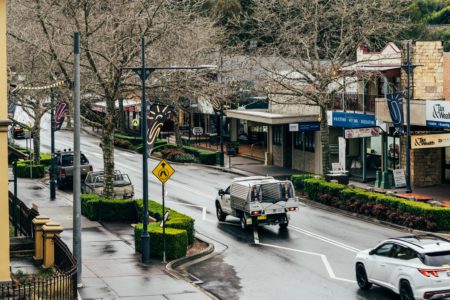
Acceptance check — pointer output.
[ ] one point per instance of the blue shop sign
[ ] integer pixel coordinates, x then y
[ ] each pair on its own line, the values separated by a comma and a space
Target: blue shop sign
309, 126
352, 120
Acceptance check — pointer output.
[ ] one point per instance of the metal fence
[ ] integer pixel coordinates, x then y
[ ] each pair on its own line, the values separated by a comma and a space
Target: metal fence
61, 284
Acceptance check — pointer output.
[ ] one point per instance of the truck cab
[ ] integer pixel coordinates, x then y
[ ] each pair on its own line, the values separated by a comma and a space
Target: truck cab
257, 200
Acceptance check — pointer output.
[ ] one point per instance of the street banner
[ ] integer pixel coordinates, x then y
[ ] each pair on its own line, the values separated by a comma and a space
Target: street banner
362, 132
438, 114
430, 141
155, 120
395, 105
62, 108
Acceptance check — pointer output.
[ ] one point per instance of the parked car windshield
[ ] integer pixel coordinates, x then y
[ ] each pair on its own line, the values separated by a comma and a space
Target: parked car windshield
67, 160
437, 259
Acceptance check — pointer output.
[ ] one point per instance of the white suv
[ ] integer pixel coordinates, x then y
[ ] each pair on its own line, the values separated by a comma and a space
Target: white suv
416, 267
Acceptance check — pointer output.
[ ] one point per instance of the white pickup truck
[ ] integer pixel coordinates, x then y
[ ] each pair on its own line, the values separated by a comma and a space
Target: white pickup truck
257, 200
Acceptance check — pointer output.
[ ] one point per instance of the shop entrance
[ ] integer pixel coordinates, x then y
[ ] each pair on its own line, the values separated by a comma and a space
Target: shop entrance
447, 165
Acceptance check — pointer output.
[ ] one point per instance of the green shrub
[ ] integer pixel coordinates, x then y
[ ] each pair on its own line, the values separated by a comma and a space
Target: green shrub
24, 170
383, 207
132, 139
176, 219
46, 159
125, 144
114, 210
185, 158
297, 180
204, 156
176, 241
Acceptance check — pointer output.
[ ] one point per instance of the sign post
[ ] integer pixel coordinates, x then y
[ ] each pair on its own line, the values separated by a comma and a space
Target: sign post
163, 171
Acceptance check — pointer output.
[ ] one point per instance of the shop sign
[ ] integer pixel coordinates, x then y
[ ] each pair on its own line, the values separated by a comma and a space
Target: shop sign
309, 126
197, 130
342, 145
293, 127
438, 114
430, 141
350, 120
399, 178
362, 132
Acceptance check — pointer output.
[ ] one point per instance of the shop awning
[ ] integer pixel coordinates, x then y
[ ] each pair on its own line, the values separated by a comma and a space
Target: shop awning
267, 117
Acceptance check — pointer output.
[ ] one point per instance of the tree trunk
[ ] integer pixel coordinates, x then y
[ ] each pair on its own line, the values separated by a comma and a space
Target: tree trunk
176, 127
121, 116
107, 144
324, 138
36, 132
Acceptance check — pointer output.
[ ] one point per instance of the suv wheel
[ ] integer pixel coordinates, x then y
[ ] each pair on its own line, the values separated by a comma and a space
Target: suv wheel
361, 277
221, 216
406, 292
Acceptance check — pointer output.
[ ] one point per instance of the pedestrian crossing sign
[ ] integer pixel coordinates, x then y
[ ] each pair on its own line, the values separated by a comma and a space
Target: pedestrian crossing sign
135, 122
163, 171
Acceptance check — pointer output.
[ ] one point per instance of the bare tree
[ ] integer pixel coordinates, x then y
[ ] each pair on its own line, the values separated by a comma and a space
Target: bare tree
310, 42
110, 33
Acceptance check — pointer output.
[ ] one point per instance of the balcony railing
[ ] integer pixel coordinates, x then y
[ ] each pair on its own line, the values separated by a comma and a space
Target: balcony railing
353, 102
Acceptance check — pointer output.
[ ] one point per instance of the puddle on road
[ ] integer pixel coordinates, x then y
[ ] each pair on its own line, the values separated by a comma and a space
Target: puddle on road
223, 282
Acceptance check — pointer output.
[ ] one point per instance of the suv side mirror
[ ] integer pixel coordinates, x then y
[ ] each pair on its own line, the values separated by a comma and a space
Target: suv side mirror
221, 192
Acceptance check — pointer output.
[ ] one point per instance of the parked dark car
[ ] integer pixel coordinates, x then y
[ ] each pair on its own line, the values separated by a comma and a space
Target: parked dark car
64, 168
18, 132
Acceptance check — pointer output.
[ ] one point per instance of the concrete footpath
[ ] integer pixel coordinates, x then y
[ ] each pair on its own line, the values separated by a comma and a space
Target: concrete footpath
111, 267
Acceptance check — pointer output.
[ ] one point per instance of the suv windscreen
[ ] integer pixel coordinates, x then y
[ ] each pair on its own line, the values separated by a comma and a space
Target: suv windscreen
67, 160
437, 259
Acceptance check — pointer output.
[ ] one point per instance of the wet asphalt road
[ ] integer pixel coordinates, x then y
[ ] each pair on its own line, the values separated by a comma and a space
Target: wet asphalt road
313, 259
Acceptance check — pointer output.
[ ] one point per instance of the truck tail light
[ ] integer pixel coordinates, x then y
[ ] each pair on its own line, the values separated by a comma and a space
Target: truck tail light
255, 213
292, 208
429, 273
63, 173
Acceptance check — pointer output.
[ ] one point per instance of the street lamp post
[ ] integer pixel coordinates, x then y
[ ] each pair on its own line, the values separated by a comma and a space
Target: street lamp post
144, 72
52, 160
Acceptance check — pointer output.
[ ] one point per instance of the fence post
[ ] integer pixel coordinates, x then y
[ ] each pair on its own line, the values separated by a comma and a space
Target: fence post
38, 223
51, 230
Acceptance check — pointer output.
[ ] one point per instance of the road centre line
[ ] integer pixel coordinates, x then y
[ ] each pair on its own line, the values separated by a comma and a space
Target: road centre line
322, 257
325, 239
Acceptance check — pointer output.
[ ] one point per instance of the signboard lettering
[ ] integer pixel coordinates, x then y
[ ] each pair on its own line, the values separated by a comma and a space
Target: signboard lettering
438, 114
362, 132
293, 127
351, 120
430, 141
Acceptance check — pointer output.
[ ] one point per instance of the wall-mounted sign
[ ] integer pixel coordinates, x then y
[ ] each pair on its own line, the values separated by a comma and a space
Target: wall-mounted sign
438, 114
430, 141
342, 145
350, 120
197, 130
293, 127
362, 132
309, 126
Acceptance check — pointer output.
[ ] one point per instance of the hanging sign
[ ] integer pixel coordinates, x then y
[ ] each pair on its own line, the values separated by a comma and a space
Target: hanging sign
155, 120
350, 120
438, 114
60, 112
197, 130
395, 105
430, 141
362, 132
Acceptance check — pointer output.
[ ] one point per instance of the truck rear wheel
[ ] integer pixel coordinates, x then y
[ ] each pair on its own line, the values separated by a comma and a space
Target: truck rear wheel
221, 216
286, 224
243, 222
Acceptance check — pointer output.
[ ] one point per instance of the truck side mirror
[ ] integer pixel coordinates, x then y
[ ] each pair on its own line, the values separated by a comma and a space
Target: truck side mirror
221, 192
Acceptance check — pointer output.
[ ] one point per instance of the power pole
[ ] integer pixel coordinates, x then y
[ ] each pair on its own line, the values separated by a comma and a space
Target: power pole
76, 162
409, 68
52, 151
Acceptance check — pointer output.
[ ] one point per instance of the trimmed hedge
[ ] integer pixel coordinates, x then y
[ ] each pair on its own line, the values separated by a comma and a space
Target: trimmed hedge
401, 211
23, 170
298, 179
205, 157
176, 219
176, 241
114, 210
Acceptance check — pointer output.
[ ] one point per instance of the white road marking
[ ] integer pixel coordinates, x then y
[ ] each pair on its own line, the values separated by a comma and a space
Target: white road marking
322, 257
325, 239
255, 235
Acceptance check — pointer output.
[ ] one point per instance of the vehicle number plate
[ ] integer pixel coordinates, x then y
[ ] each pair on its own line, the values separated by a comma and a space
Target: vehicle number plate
262, 217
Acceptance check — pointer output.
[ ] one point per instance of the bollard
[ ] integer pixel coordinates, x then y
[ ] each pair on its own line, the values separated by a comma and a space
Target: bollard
38, 223
50, 230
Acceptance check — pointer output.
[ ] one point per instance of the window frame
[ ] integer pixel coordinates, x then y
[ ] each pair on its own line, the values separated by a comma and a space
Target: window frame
310, 142
277, 135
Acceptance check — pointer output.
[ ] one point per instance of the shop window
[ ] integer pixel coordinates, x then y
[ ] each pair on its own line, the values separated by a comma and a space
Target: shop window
277, 135
310, 143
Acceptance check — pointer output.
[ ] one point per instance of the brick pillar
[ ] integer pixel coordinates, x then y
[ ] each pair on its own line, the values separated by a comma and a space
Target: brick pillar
50, 231
38, 223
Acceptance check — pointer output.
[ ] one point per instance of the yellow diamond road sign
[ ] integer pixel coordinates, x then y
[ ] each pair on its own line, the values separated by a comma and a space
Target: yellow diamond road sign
163, 171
